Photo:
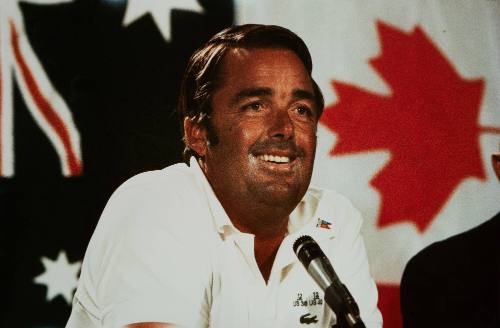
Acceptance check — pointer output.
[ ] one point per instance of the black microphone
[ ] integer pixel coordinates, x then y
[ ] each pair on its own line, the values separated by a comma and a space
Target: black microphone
337, 295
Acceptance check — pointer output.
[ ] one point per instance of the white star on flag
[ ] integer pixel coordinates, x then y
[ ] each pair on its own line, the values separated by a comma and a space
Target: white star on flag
159, 10
60, 277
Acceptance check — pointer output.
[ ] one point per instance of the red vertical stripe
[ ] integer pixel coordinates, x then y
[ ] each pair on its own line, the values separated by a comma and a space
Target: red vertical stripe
388, 303
44, 106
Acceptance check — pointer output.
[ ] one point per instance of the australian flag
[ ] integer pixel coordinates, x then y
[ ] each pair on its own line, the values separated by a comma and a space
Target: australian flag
88, 93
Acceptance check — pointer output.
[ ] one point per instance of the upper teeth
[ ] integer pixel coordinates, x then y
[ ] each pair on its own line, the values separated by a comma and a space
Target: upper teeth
272, 158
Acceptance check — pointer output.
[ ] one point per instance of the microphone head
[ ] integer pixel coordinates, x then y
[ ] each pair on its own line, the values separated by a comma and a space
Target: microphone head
299, 242
306, 249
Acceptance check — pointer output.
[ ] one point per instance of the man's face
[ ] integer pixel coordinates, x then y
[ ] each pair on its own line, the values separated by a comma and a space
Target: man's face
265, 117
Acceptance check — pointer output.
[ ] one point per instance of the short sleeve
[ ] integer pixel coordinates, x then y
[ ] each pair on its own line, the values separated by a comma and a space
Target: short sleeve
144, 265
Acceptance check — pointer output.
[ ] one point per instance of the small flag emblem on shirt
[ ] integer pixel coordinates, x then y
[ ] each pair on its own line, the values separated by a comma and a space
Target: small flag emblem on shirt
323, 224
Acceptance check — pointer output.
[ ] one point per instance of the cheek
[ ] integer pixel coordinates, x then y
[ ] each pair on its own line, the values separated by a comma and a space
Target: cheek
236, 138
307, 139
244, 134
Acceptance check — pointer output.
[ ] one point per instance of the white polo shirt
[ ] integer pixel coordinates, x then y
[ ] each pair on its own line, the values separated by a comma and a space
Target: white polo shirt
164, 250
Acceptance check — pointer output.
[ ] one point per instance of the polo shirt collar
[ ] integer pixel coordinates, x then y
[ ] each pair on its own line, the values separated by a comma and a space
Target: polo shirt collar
306, 219
221, 220
310, 217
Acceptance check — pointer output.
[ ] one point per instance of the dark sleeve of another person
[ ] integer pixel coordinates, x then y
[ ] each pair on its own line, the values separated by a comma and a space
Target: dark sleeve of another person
455, 282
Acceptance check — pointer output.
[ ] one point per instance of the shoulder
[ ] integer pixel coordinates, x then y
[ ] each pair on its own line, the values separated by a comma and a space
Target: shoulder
171, 179
151, 211
170, 187
459, 272
463, 249
168, 199
466, 256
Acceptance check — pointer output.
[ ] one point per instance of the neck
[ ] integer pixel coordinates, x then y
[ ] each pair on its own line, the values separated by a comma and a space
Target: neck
264, 222
269, 232
265, 251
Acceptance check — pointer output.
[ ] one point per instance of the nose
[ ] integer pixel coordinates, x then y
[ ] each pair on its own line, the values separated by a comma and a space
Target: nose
281, 126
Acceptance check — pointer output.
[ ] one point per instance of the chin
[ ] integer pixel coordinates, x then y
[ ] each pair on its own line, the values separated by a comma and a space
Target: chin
280, 196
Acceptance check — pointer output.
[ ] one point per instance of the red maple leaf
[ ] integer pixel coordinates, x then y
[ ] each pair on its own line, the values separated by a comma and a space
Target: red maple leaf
429, 123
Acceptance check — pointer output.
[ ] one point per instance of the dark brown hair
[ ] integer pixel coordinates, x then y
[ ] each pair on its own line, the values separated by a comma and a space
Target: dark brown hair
201, 75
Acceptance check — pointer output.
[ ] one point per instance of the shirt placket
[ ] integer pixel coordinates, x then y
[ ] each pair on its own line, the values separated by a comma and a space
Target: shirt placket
261, 298
284, 258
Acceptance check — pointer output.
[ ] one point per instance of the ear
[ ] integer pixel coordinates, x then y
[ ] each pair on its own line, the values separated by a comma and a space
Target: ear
495, 160
195, 136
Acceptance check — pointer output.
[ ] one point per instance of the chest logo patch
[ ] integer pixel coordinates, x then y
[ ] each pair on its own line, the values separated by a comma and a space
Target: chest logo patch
323, 224
307, 319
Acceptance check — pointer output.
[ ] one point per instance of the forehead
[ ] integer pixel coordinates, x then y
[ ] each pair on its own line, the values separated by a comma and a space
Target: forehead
261, 66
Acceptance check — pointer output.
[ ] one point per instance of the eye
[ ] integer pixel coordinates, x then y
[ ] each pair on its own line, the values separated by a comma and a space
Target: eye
254, 106
304, 111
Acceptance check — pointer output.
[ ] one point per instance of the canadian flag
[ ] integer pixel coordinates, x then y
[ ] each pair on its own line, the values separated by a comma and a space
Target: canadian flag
412, 117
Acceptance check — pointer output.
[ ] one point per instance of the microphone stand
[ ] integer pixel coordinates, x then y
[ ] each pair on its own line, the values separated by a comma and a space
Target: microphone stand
342, 303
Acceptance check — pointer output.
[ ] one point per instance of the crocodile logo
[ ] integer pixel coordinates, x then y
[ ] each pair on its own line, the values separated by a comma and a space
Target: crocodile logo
307, 319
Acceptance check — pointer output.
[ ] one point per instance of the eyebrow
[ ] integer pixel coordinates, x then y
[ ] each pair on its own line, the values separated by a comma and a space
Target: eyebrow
251, 92
303, 94
259, 92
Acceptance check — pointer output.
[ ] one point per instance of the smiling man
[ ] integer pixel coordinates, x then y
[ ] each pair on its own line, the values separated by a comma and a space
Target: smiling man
210, 244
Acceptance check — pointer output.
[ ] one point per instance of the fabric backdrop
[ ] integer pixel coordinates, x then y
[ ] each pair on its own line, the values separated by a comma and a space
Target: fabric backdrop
88, 90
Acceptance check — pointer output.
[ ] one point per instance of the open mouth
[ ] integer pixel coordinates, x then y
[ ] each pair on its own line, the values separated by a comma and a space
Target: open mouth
274, 158
277, 162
